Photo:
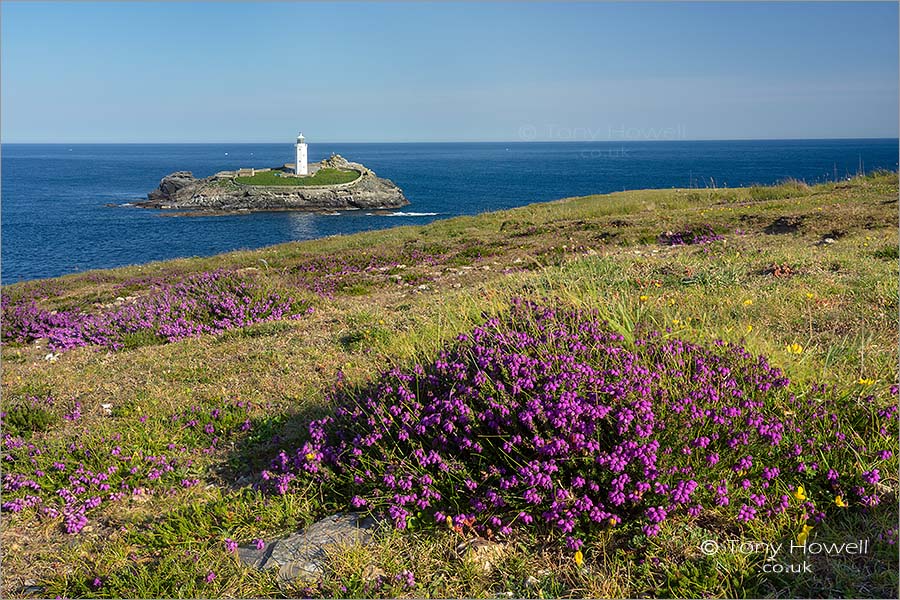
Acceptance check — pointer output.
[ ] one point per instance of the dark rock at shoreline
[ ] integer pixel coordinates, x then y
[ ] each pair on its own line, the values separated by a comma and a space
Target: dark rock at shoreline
222, 194
171, 184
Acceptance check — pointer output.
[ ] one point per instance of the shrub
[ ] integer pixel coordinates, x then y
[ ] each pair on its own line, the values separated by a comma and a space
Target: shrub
888, 252
548, 419
25, 420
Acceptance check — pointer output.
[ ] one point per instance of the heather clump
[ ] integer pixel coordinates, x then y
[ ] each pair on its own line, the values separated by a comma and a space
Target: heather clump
548, 420
209, 302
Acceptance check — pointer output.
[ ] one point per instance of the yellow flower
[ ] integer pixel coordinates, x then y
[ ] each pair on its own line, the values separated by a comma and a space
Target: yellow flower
866, 381
749, 328
675, 321
613, 521
803, 535
579, 558
795, 348
800, 493
748, 302
809, 296
449, 522
840, 502
644, 298
671, 301
310, 456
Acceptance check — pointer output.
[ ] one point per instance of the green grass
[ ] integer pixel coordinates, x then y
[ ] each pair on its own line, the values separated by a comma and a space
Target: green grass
320, 177
839, 303
888, 252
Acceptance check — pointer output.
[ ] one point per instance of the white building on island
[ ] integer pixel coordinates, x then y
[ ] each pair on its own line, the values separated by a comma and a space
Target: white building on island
301, 167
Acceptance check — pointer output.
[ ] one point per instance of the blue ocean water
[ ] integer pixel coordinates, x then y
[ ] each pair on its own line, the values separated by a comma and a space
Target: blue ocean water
55, 219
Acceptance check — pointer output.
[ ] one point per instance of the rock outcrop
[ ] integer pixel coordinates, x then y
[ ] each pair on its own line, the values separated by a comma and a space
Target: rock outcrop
222, 193
171, 184
303, 555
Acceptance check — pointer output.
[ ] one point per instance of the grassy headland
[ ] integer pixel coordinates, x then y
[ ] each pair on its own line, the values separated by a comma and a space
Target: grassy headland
325, 176
182, 427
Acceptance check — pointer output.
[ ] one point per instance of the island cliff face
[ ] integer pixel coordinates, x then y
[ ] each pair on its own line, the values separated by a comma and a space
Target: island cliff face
223, 193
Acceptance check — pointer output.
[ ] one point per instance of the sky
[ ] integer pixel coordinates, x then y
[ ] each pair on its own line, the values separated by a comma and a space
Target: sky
406, 72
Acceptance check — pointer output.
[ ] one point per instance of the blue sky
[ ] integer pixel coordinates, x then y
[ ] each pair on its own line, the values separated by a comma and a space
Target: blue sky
371, 72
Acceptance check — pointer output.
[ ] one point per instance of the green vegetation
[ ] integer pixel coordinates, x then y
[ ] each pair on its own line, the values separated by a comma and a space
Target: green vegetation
320, 177
220, 407
24, 420
888, 252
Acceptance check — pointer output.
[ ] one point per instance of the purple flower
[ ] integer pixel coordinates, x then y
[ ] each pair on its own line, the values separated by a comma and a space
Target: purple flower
872, 477
656, 514
746, 513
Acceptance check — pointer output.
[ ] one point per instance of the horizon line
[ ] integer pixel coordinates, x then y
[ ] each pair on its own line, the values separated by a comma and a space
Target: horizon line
569, 141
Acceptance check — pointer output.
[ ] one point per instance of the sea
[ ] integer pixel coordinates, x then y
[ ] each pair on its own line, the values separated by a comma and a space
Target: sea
68, 208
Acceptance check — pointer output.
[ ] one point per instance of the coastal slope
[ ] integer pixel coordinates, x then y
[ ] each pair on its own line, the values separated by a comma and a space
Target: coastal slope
188, 387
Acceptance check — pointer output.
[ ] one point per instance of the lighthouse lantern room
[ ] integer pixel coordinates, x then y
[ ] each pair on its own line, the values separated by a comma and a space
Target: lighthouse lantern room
301, 167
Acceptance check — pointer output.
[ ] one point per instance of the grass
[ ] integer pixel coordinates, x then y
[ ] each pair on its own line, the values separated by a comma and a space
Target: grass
395, 297
321, 177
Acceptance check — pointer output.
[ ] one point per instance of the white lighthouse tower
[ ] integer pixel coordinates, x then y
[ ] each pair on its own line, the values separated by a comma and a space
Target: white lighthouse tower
301, 167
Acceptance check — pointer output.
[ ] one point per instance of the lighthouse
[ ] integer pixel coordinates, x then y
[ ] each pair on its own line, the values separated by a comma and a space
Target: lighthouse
300, 166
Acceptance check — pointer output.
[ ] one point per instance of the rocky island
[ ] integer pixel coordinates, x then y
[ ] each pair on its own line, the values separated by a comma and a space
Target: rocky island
331, 184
